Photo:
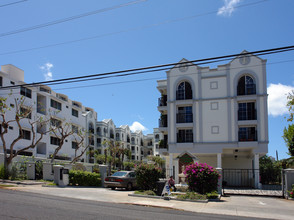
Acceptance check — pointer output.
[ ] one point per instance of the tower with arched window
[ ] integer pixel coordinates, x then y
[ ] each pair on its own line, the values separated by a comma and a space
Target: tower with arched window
216, 116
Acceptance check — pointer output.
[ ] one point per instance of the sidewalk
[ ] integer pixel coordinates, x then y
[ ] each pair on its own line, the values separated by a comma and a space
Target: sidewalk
262, 207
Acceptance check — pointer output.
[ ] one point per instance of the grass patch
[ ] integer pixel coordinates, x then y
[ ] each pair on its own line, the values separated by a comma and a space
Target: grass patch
5, 185
146, 192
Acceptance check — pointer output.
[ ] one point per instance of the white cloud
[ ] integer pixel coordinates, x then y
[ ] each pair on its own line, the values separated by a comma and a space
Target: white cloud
277, 99
137, 126
47, 69
228, 8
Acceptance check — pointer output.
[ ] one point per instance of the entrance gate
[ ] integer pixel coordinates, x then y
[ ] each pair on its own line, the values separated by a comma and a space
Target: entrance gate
244, 181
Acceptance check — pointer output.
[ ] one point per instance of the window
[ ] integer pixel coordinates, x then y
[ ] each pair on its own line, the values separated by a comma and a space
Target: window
247, 134
75, 129
74, 145
246, 86
117, 136
55, 104
26, 135
246, 111
26, 113
98, 130
184, 91
54, 140
26, 92
55, 122
185, 115
1, 81
43, 89
75, 113
185, 136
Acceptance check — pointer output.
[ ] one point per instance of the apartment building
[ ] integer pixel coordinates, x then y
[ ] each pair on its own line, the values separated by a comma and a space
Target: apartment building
215, 116
44, 102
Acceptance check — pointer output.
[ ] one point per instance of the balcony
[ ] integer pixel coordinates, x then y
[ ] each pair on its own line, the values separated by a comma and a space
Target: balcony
162, 122
185, 118
162, 101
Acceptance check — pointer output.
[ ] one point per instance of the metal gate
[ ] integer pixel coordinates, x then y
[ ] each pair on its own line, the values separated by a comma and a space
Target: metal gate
247, 182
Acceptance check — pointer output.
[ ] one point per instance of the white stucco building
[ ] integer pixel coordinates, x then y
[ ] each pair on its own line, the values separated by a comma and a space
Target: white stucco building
44, 102
214, 116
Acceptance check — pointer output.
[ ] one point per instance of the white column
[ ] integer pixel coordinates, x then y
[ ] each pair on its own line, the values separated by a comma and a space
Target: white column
257, 185
171, 157
219, 160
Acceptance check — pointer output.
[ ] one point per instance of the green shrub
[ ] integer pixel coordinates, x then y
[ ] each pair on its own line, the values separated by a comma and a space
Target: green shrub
2, 172
128, 165
212, 195
84, 178
192, 196
148, 192
201, 178
147, 176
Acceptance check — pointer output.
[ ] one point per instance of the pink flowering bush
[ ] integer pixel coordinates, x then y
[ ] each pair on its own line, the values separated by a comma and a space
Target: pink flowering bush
201, 178
291, 193
147, 175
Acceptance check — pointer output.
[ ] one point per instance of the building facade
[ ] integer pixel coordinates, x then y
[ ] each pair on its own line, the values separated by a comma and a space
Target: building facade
214, 116
44, 102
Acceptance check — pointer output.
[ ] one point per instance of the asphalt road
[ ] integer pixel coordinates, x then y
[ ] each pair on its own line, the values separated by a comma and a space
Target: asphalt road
22, 205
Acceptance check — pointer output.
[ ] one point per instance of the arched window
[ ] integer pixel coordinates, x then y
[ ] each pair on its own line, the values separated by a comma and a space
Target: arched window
91, 128
246, 86
117, 136
98, 130
157, 137
184, 91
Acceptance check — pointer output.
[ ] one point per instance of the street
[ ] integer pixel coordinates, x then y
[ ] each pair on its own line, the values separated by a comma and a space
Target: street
23, 205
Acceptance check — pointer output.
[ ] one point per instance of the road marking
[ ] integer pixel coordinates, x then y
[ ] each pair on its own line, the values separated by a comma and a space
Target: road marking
261, 203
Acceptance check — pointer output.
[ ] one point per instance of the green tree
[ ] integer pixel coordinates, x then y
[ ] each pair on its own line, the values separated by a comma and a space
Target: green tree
289, 139
289, 132
270, 171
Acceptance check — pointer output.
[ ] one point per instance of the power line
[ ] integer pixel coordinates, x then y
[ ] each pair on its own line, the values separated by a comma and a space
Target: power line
154, 78
124, 31
12, 3
69, 18
156, 68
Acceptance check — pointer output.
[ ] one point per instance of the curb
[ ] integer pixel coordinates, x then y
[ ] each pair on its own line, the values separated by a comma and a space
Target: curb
171, 198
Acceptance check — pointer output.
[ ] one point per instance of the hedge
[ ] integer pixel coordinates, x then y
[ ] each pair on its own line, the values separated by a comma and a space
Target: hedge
84, 178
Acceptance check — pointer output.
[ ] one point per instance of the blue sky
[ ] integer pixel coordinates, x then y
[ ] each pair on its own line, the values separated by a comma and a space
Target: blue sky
146, 33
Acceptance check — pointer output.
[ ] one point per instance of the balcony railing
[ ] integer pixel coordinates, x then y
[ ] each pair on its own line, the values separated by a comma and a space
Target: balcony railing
184, 117
162, 122
162, 101
247, 135
246, 115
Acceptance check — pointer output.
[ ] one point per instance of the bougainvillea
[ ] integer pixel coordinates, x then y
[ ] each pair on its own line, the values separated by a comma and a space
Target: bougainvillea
201, 178
147, 175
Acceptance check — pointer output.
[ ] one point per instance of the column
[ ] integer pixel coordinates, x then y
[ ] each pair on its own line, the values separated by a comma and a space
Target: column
171, 157
219, 160
257, 185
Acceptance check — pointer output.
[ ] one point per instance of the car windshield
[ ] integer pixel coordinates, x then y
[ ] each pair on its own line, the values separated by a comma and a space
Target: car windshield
120, 173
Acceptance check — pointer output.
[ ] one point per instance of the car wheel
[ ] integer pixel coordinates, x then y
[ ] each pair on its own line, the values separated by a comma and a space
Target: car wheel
129, 186
112, 188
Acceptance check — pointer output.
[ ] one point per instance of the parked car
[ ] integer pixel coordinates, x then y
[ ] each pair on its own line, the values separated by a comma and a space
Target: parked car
121, 179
